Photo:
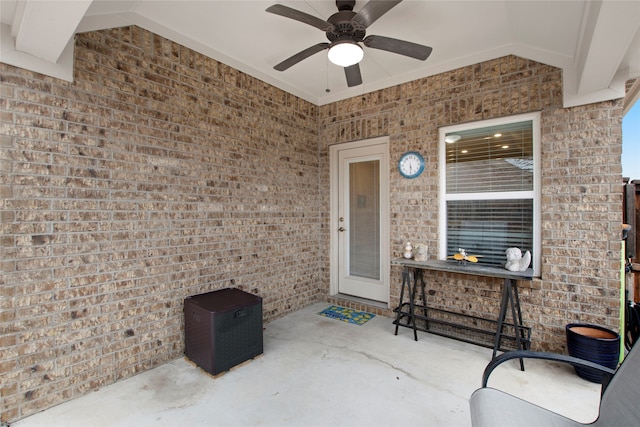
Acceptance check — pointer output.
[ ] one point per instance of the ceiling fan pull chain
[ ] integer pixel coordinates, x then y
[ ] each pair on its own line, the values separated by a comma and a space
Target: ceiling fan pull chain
327, 64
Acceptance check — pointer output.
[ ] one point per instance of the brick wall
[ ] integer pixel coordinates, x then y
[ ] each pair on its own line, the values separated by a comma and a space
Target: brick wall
581, 187
157, 174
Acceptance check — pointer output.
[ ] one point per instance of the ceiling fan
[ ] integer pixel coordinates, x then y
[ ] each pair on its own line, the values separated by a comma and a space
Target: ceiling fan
345, 29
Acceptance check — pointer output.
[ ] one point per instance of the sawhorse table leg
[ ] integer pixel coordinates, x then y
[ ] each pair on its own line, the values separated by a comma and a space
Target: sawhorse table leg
410, 280
510, 298
407, 280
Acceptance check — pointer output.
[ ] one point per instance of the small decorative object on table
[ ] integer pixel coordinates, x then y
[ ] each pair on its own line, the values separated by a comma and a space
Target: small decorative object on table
515, 260
420, 253
408, 250
462, 256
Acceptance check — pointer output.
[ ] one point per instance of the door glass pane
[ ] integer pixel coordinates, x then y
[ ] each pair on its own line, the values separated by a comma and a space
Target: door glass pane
364, 219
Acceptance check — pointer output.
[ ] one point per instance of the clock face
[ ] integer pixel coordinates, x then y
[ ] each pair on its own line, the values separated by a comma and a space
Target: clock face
411, 164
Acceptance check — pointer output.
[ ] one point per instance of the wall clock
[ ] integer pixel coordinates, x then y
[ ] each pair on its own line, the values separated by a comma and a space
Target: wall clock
411, 164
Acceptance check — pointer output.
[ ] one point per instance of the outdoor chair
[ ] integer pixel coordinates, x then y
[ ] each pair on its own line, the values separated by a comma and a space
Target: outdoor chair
619, 403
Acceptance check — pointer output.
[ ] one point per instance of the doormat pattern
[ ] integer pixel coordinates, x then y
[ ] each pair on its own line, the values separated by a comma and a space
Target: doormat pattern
347, 315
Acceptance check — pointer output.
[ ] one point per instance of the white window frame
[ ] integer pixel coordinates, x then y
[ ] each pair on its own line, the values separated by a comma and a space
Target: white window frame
535, 194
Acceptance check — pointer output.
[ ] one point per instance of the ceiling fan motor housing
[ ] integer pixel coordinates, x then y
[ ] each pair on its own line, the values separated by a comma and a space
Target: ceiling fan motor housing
343, 28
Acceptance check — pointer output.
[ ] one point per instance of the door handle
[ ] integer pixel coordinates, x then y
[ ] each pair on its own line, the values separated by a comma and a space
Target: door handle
341, 229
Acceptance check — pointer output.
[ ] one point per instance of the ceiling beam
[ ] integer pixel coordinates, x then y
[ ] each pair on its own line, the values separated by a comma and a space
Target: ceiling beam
632, 96
609, 30
43, 28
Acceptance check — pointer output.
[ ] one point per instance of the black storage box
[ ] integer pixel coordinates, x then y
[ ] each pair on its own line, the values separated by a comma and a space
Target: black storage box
222, 329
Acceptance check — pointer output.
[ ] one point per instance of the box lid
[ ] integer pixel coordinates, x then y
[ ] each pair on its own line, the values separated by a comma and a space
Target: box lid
224, 299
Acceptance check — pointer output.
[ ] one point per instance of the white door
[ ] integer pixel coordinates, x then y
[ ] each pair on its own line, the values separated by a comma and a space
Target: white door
359, 219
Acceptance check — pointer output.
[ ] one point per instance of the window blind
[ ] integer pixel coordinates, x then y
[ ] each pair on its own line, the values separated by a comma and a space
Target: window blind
489, 227
492, 159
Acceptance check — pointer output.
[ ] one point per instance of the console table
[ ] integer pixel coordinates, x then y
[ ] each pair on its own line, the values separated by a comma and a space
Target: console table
410, 311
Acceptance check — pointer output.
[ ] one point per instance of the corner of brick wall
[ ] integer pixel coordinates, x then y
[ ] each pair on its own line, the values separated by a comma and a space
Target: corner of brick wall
160, 173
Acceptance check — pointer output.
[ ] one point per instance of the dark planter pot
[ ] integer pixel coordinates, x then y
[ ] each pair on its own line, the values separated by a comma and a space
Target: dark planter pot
595, 344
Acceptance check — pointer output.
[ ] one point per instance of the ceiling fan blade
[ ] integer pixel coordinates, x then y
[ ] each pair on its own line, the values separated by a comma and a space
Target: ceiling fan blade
354, 78
301, 55
373, 10
288, 12
401, 47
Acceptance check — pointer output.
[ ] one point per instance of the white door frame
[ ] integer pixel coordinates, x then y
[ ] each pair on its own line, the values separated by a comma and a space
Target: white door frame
335, 214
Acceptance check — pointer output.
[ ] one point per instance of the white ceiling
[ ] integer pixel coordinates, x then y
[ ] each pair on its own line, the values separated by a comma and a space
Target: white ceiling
595, 43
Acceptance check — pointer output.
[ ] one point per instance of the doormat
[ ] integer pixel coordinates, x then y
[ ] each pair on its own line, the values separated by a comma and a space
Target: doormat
347, 315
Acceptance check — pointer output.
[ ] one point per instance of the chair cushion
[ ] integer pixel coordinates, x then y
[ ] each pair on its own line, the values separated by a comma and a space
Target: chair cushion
620, 405
494, 408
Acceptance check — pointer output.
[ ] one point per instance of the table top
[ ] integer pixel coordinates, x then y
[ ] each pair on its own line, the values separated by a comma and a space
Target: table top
465, 267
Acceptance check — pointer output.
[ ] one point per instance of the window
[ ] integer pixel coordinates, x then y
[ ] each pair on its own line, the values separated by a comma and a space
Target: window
490, 188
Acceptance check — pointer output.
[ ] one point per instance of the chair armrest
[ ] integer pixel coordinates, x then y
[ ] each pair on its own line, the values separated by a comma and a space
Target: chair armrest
554, 357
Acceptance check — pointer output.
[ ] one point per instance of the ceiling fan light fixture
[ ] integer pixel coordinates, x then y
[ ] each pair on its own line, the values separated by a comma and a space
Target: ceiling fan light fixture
346, 53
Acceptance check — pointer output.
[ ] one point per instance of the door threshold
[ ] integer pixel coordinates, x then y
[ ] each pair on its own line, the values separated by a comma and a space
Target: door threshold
365, 301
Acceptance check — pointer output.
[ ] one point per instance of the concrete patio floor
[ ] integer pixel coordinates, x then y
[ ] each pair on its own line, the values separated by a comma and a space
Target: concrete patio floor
317, 371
